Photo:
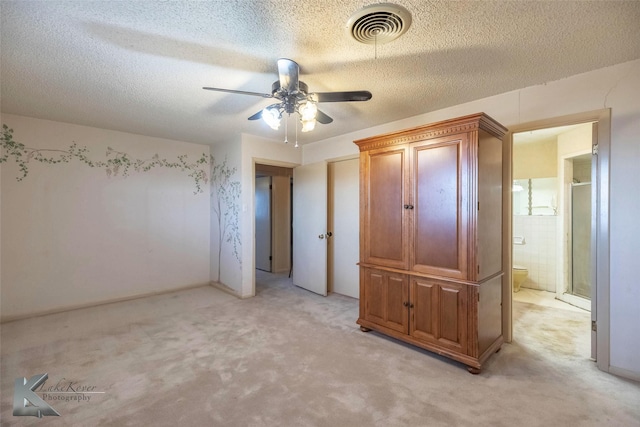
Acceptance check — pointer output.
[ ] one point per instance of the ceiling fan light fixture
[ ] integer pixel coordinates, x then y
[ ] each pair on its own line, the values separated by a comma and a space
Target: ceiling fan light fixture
272, 117
308, 125
307, 110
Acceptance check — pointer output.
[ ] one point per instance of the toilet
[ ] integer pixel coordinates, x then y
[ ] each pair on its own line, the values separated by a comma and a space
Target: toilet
519, 276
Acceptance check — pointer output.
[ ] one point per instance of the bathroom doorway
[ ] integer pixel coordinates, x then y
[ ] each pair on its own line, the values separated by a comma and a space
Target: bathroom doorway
552, 224
552, 234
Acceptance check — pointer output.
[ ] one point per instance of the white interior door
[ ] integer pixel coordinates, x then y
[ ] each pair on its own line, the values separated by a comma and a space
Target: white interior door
263, 223
310, 227
345, 241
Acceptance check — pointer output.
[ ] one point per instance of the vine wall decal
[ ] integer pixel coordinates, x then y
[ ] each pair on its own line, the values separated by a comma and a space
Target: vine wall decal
116, 162
225, 192
225, 203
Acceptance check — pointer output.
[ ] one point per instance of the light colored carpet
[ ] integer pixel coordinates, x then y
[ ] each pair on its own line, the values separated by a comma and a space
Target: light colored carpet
291, 358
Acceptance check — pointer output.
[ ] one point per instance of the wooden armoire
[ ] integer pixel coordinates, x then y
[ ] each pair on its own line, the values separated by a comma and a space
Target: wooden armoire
431, 237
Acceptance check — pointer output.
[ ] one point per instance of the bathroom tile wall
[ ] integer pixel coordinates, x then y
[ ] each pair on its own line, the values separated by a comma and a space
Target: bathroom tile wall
539, 254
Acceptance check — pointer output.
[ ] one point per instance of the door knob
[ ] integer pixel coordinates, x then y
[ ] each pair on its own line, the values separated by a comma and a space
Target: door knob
321, 236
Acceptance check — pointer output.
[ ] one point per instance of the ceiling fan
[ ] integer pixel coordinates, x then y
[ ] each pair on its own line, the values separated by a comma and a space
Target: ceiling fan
294, 97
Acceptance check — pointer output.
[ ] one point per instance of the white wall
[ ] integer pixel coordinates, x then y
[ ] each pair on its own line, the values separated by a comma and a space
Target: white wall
535, 160
616, 87
73, 236
574, 142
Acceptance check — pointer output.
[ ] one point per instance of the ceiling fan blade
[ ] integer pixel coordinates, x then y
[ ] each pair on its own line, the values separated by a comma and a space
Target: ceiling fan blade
288, 71
357, 95
256, 116
323, 118
240, 92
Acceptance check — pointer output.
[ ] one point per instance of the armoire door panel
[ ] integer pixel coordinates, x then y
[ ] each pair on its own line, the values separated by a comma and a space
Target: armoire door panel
375, 293
438, 313
452, 316
386, 230
384, 295
396, 296
423, 296
439, 221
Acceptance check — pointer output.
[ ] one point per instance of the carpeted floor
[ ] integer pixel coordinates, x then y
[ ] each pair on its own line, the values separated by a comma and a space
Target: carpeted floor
291, 358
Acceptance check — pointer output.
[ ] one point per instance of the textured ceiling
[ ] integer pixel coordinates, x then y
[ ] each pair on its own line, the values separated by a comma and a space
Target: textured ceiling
139, 66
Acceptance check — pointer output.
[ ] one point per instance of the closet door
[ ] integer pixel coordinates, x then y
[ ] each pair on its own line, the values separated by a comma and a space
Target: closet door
384, 207
440, 198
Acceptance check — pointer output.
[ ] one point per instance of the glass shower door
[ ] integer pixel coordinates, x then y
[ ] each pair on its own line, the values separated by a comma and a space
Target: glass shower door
581, 239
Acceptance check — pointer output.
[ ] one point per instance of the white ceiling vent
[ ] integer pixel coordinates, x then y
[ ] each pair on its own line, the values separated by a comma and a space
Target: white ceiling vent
379, 23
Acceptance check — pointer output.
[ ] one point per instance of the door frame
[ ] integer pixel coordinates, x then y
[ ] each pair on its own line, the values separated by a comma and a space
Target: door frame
600, 310
261, 162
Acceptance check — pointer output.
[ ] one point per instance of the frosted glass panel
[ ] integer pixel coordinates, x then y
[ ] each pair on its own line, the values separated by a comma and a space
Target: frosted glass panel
581, 240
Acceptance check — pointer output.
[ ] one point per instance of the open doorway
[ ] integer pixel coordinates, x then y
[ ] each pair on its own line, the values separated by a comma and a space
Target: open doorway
551, 233
273, 218
557, 234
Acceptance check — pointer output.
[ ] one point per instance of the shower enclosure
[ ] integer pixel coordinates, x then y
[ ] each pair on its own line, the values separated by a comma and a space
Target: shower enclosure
580, 282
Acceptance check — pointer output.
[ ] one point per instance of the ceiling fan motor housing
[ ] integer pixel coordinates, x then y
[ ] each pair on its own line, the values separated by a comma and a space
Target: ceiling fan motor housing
290, 100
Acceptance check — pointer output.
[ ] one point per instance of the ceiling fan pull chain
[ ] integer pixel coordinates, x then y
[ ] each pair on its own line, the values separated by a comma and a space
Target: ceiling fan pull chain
375, 45
296, 146
286, 129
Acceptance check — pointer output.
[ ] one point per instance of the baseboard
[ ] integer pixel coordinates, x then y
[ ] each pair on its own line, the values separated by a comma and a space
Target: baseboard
5, 319
624, 373
228, 290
